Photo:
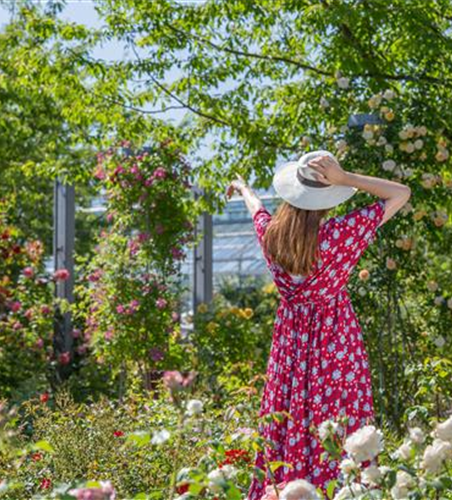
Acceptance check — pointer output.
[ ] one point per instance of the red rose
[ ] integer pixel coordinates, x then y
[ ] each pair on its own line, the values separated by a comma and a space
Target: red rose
118, 433
45, 484
183, 488
44, 397
36, 456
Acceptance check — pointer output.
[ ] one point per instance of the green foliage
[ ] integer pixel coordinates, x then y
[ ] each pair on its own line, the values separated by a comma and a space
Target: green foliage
230, 343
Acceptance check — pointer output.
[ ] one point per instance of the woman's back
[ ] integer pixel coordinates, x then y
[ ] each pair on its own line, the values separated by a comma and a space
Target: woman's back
342, 241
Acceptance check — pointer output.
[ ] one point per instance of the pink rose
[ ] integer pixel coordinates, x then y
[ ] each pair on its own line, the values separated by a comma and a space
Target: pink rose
45, 309
118, 170
81, 349
15, 306
76, 333
39, 344
105, 492
28, 272
161, 303
120, 309
99, 173
109, 334
61, 275
177, 253
156, 354
64, 358
270, 493
173, 379
160, 173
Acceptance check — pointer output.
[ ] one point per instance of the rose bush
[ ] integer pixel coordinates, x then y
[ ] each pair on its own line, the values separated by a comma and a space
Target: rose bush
128, 294
26, 313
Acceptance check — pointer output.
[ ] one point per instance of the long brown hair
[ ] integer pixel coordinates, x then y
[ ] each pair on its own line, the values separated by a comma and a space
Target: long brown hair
291, 238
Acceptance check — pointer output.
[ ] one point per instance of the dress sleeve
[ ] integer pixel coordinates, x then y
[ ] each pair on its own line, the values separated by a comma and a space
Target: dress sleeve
359, 227
261, 218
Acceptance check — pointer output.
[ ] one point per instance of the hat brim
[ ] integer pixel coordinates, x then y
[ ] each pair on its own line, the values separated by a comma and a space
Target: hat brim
289, 189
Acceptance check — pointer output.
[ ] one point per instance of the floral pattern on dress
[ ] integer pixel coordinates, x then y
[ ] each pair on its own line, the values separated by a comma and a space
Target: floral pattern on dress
318, 366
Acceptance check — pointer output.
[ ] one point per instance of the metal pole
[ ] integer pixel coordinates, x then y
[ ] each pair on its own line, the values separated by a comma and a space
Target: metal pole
63, 251
203, 261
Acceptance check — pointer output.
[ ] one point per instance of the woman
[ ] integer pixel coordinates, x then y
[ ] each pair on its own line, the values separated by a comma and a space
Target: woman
318, 365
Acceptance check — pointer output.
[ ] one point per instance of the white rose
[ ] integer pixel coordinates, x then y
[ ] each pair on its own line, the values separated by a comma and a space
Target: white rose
422, 130
409, 148
217, 479
404, 480
348, 466
374, 101
299, 490
362, 291
403, 134
438, 300
368, 134
229, 470
435, 454
324, 102
404, 451
389, 148
416, 435
418, 143
382, 141
349, 491
365, 443
449, 303
326, 428
371, 474
439, 341
160, 437
194, 406
384, 469
341, 144
444, 430
388, 165
399, 493
388, 94
184, 474
408, 172
343, 82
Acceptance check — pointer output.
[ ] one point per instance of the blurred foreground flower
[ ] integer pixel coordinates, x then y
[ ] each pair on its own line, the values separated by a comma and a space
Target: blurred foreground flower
101, 491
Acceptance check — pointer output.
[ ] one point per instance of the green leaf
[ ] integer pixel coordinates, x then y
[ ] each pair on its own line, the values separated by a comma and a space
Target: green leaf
140, 438
331, 487
276, 465
43, 446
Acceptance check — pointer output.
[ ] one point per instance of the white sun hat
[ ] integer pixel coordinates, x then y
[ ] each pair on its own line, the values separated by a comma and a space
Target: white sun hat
296, 183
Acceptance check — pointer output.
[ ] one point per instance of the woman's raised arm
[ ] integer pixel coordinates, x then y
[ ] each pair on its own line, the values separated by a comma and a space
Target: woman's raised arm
252, 201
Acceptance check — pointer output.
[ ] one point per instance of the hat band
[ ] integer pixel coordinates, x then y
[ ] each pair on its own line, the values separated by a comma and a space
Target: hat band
309, 182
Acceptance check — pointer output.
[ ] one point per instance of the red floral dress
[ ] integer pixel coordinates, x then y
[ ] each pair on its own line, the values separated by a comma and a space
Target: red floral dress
318, 366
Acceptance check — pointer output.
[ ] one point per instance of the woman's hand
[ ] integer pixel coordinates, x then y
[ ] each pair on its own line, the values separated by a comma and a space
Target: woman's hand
236, 185
328, 170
